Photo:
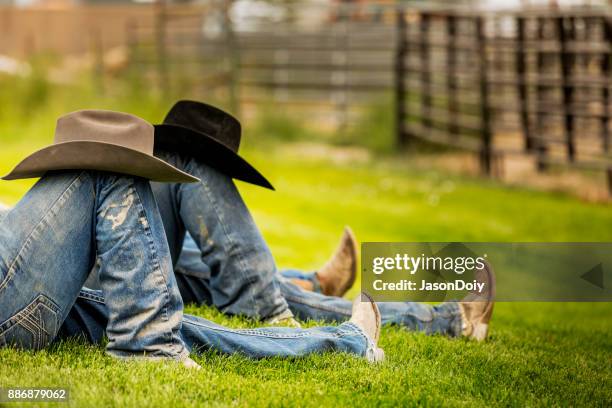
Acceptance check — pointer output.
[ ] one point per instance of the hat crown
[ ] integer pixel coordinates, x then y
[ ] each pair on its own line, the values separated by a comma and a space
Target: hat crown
206, 119
116, 128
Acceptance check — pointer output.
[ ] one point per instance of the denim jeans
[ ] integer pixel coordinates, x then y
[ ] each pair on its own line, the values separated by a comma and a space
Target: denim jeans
237, 262
192, 275
50, 240
224, 260
87, 319
48, 244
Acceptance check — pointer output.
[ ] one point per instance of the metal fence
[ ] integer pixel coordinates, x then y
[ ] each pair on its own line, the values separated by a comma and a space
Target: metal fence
333, 59
531, 82
476, 80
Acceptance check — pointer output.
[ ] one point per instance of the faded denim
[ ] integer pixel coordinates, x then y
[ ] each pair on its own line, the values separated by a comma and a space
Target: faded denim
306, 305
221, 259
51, 239
440, 319
87, 319
235, 258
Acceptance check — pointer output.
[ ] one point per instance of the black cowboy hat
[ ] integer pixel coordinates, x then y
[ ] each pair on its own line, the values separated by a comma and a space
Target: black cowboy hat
210, 135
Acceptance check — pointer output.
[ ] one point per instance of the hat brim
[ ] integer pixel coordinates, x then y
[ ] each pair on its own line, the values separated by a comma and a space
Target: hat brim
182, 139
88, 155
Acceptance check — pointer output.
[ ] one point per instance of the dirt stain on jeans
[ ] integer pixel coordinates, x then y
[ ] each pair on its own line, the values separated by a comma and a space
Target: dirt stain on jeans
119, 219
204, 234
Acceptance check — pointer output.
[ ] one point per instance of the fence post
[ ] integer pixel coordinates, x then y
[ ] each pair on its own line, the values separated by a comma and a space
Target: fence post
425, 72
541, 64
609, 177
606, 69
131, 33
567, 89
485, 111
97, 48
401, 136
233, 57
451, 77
160, 41
523, 100
340, 78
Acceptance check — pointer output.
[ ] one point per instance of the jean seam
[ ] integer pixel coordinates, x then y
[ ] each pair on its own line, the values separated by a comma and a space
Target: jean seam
91, 296
154, 254
316, 306
28, 310
219, 215
250, 332
156, 264
28, 327
33, 328
49, 212
151, 356
369, 343
259, 333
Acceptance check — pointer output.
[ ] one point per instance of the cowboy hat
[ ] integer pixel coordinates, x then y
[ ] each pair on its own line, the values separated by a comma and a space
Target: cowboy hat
100, 140
210, 135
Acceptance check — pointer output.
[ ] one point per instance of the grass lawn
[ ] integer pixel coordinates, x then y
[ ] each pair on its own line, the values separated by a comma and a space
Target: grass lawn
538, 353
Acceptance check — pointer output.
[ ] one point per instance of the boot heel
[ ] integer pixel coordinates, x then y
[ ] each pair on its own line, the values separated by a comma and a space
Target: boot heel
480, 332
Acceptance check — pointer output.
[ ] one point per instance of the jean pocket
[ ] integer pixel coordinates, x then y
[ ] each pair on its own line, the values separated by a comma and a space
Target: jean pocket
34, 327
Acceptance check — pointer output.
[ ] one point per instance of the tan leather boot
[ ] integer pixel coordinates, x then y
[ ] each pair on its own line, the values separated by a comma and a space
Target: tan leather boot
477, 308
337, 276
367, 317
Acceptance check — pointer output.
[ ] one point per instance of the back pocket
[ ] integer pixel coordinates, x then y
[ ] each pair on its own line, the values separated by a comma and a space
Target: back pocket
34, 327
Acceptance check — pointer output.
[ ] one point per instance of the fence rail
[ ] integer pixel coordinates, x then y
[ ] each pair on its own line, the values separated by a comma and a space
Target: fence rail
547, 75
335, 61
458, 78
529, 82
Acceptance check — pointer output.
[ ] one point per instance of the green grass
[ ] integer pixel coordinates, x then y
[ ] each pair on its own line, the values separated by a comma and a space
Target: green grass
550, 354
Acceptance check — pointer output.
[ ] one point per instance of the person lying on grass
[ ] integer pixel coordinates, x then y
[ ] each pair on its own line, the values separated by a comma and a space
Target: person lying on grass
222, 259
94, 205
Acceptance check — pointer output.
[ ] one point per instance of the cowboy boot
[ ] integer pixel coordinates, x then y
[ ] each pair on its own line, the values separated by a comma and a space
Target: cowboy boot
337, 276
367, 317
477, 308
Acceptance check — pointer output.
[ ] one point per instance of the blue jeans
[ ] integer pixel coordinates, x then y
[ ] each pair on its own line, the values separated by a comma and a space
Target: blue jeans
224, 260
87, 319
194, 285
441, 319
48, 246
237, 262
51, 239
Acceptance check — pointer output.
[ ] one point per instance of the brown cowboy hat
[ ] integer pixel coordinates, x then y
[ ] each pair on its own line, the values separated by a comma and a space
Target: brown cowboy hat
210, 135
101, 140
